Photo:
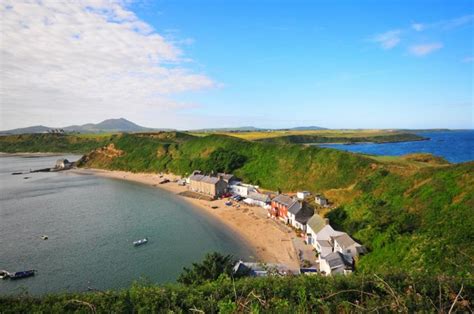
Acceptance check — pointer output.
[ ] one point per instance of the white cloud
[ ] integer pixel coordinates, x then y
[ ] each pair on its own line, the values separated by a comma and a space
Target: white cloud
76, 60
468, 59
425, 49
418, 27
457, 22
388, 40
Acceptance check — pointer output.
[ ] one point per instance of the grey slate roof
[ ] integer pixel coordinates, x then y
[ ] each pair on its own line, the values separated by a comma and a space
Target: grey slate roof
344, 240
196, 177
316, 223
203, 178
226, 176
324, 243
284, 200
295, 208
304, 214
210, 180
259, 197
337, 259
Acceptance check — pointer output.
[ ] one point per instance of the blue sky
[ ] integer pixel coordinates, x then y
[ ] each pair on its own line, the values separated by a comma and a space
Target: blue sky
194, 64
288, 63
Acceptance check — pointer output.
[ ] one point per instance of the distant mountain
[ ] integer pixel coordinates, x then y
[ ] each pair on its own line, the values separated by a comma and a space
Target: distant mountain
30, 129
254, 129
230, 129
307, 128
109, 125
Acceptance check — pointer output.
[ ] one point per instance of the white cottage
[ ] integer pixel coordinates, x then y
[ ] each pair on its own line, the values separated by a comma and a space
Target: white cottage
257, 199
302, 195
336, 263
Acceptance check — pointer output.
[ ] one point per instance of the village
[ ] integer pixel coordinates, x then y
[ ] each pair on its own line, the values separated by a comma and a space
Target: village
331, 251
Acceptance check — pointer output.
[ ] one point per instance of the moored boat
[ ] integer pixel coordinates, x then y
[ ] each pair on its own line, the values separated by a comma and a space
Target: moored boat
140, 242
4, 274
21, 274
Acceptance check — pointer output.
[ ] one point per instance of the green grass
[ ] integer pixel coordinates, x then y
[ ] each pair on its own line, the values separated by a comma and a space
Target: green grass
301, 294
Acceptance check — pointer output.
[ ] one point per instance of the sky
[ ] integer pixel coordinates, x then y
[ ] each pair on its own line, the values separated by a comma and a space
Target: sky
271, 64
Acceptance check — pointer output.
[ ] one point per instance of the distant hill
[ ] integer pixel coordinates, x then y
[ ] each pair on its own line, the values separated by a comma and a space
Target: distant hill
106, 126
30, 129
255, 129
230, 129
109, 125
307, 128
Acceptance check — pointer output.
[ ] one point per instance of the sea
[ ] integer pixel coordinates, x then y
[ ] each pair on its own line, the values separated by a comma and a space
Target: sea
91, 223
454, 146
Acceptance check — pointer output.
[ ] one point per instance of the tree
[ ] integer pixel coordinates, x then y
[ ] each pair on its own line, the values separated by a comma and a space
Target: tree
213, 265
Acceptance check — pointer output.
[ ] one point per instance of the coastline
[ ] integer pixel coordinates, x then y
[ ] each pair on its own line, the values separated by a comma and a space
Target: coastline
271, 241
31, 155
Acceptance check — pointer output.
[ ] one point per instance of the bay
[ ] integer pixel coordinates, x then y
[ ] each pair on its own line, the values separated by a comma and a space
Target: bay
455, 146
91, 222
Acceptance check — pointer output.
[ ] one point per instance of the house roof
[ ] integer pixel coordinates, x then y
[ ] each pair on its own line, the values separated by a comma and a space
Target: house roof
196, 177
327, 232
259, 197
226, 176
203, 178
345, 241
324, 243
295, 208
259, 269
316, 223
304, 214
337, 260
284, 200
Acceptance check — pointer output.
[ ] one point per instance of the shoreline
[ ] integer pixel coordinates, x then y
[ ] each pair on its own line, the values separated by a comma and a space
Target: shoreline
271, 241
38, 154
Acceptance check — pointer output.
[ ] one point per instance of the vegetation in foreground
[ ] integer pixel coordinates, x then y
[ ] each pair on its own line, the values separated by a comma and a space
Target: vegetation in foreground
296, 294
413, 213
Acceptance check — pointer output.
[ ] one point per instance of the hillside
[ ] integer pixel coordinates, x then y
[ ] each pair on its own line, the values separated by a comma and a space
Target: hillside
413, 213
318, 139
302, 294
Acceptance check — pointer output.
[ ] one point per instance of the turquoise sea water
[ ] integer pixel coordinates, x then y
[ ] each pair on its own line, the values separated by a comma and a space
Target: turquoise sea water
91, 223
454, 146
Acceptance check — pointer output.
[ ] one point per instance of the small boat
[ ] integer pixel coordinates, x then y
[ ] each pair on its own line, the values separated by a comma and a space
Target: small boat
44, 237
140, 242
21, 274
4, 274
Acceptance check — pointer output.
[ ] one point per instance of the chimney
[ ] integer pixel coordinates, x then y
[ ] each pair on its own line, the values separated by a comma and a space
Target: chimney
326, 221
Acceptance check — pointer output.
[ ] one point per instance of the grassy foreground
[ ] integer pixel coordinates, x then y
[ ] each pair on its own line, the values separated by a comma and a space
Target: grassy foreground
301, 294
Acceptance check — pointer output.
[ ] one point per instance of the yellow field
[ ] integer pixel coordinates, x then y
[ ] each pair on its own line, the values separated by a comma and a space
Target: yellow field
326, 133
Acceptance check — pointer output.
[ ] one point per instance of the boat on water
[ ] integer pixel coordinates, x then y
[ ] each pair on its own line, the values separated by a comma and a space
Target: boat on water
140, 242
17, 275
4, 274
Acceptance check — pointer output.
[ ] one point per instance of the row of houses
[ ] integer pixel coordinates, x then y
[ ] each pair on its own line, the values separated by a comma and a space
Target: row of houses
336, 250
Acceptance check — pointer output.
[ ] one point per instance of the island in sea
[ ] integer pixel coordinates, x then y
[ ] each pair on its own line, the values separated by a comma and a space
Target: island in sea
398, 227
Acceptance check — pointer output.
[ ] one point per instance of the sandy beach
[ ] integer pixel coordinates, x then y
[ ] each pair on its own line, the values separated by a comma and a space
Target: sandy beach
271, 240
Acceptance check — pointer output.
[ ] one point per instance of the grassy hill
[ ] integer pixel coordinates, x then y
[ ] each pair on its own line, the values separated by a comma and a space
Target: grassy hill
302, 294
413, 213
